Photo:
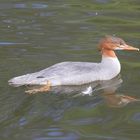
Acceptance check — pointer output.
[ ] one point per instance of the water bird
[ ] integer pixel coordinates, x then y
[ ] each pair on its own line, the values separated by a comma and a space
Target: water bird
77, 73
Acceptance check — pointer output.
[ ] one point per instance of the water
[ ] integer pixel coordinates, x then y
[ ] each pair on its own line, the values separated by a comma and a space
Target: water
37, 34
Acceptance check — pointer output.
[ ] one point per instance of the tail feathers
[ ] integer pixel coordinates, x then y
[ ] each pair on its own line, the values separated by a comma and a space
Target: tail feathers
19, 81
28, 79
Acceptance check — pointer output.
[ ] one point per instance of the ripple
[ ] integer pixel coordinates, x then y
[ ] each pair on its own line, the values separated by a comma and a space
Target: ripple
102, 1
39, 6
23, 6
22, 121
136, 117
20, 5
11, 43
84, 121
56, 133
33, 6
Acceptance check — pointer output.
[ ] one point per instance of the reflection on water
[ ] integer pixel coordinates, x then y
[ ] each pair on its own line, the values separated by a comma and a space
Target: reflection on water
112, 98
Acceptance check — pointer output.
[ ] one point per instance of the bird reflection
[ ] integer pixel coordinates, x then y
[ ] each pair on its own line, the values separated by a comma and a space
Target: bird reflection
109, 94
112, 98
109, 88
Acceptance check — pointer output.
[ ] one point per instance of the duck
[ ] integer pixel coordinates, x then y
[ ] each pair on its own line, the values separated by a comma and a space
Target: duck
78, 73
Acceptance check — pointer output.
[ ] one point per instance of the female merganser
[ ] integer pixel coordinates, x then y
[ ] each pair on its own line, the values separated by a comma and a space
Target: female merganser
78, 73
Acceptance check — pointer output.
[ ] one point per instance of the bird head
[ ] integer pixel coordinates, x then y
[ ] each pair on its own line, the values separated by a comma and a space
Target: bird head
115, 43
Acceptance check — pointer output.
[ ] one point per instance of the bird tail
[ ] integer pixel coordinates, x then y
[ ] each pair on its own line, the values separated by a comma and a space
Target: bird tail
20, 80
28, 79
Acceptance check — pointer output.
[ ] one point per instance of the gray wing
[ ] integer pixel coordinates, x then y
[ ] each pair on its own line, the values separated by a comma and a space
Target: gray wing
70, 73
66, 68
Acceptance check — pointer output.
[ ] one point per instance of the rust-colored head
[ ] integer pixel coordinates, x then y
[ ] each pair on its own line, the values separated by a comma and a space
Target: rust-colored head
110, 43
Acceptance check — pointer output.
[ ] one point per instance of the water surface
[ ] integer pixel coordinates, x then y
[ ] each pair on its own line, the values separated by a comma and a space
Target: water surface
37, 34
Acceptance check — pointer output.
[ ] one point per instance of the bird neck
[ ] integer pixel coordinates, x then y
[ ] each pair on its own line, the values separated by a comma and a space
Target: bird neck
108, 53
110, 67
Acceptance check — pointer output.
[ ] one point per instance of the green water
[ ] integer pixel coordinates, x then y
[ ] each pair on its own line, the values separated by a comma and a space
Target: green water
36, 34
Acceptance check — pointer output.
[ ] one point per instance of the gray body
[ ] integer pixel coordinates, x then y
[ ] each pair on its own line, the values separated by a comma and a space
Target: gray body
71, 73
